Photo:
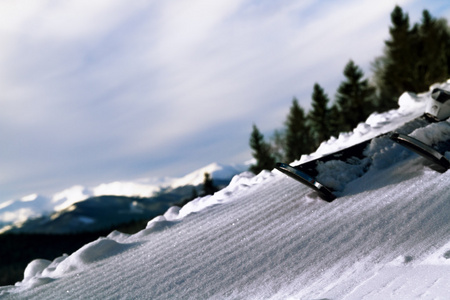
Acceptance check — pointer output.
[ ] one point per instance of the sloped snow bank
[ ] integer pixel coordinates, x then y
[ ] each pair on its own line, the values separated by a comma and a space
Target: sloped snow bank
40, 271
176, 214
273, 240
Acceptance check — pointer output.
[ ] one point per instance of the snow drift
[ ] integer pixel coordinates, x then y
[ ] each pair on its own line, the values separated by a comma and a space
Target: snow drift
268, 237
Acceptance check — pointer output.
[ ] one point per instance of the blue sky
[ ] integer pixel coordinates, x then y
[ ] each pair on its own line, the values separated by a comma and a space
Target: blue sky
97, 91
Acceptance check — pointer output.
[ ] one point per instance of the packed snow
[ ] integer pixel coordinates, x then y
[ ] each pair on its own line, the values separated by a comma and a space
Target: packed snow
268, 237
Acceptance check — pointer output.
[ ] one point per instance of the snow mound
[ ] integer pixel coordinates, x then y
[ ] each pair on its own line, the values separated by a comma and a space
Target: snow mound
336, 174
41, 271
434, 133
410, 107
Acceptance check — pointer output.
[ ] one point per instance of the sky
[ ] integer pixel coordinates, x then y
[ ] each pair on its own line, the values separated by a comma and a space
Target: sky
106, 90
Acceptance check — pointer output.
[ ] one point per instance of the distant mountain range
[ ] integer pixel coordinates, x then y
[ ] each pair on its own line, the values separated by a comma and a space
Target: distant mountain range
80, 209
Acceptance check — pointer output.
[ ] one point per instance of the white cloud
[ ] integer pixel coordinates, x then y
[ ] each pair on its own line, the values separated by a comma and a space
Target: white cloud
185, 27
63, 20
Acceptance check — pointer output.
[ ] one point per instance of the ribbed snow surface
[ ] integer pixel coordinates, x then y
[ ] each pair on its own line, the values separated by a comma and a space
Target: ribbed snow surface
269, 237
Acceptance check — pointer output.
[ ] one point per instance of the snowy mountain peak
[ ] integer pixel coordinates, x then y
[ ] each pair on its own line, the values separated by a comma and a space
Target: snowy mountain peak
126, 188
215, 170
68, 197
29, 198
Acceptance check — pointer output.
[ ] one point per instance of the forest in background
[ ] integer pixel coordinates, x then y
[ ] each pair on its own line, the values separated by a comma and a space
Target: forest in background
422, 51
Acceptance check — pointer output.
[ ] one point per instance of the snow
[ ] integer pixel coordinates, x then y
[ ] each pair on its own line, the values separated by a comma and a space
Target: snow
130, 189
16, 212
429, 279
215, 170
69, 197
410, 107
269, 237
433, 134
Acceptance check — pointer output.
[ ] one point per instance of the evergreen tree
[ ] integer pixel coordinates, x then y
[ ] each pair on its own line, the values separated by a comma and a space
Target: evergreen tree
431, 64
194, 193
278, 145
413, 59
298, 139
400, 54
336, 121
398, 60
354, 97
208, 186
261, 152
319, 115
185, 201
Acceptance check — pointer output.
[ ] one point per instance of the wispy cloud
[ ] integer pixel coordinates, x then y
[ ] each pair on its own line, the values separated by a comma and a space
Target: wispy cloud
111, 90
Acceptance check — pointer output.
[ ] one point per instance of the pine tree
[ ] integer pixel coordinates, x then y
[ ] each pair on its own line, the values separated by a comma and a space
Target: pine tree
354, 97
433, 39
319, 115
208, 186
298, 139
398, 60
278, 145
261, 152
400, 52
336, 121
413, 58
194, 193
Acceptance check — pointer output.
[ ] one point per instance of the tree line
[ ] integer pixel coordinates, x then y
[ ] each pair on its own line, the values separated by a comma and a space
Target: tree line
413, 58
